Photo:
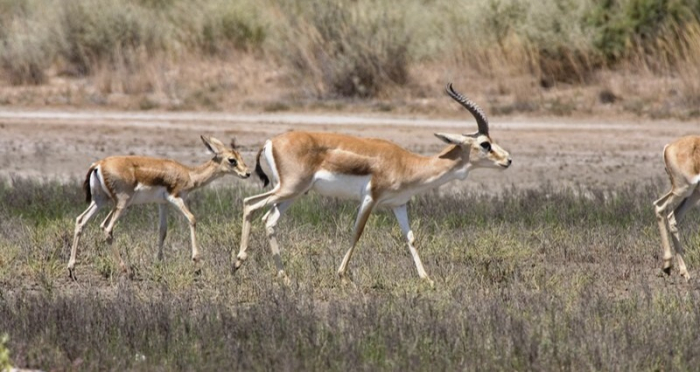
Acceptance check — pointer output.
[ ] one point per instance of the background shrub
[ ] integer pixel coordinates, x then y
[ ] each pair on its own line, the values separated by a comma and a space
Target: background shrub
229, 25
328, 48
620, 27
95, 32
345, 49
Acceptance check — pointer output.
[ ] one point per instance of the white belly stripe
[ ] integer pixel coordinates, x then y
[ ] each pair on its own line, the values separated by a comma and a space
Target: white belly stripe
341, 185
144, 194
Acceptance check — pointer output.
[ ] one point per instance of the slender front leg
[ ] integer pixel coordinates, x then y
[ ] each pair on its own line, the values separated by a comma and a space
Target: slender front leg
662, 207
673, 219
402, 217
661, 218
362, 216
179, 203
79, 224
271, 221
162, 228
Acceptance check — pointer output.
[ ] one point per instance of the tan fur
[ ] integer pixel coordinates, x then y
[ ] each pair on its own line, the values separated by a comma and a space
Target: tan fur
123, 179
682, 161
376, 171
395, 175
125, 172
299, 155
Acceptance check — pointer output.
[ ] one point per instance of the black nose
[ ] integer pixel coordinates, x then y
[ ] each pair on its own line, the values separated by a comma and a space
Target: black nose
510, 161
247, 175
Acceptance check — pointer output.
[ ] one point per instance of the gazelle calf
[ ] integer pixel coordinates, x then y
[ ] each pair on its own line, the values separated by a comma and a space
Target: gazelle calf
374, 171
682, 159
127, 180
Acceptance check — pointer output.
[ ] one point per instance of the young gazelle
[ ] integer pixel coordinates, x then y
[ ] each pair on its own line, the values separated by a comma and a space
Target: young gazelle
373, 171
127, 180
682, 159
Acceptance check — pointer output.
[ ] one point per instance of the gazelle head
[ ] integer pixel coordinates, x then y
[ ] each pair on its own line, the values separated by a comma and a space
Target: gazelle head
482, 152
228, 159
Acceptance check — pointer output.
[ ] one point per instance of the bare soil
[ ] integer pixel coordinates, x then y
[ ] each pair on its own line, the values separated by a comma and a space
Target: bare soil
561, 151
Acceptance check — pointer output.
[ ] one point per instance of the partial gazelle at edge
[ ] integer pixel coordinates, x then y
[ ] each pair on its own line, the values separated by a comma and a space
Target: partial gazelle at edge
682, 161
128, 180
374, 171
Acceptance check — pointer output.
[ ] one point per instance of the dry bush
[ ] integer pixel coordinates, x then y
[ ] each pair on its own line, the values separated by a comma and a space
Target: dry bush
94, 32
23, 57
229, 26
512, 51
84, 36
347, 50
689, 66
25, 46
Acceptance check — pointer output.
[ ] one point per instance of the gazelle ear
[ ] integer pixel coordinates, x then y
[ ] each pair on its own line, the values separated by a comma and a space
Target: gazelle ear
453, 139
213, 145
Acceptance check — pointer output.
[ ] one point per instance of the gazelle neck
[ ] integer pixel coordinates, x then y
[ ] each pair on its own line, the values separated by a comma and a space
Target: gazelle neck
450, 164
203, 174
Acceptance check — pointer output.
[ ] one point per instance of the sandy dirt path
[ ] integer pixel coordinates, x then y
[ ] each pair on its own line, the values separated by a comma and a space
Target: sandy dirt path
563, 151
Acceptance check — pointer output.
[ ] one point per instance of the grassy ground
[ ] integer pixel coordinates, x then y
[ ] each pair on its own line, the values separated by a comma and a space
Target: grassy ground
530, 280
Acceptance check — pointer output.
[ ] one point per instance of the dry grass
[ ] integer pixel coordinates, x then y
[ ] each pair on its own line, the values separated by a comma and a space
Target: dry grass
554, 57
533, 279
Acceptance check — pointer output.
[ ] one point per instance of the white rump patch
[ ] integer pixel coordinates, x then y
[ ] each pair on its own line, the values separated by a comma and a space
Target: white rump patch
144, 194
267, 151
97, 185
341, 185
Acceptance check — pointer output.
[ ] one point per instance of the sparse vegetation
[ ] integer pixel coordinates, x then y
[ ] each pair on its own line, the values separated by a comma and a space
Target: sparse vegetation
540, 279
359, 49
530, 279
348, 50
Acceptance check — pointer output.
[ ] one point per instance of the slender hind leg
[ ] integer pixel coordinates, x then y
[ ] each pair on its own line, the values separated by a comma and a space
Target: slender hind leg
271, 222
362, 216
252, 204
402, 217
80, 222
162, 228
115, 214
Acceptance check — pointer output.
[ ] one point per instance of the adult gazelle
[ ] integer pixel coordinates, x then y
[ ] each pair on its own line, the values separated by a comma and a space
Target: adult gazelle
373, 171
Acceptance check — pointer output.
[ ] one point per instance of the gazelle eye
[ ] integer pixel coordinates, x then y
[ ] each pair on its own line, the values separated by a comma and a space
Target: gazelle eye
486, 146
232, 161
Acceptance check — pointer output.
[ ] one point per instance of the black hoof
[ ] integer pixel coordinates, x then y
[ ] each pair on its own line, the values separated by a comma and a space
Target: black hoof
237, 265
71, 274
667, 270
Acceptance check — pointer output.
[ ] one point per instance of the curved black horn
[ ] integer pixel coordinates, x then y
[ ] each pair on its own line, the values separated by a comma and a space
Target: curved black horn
472, 107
